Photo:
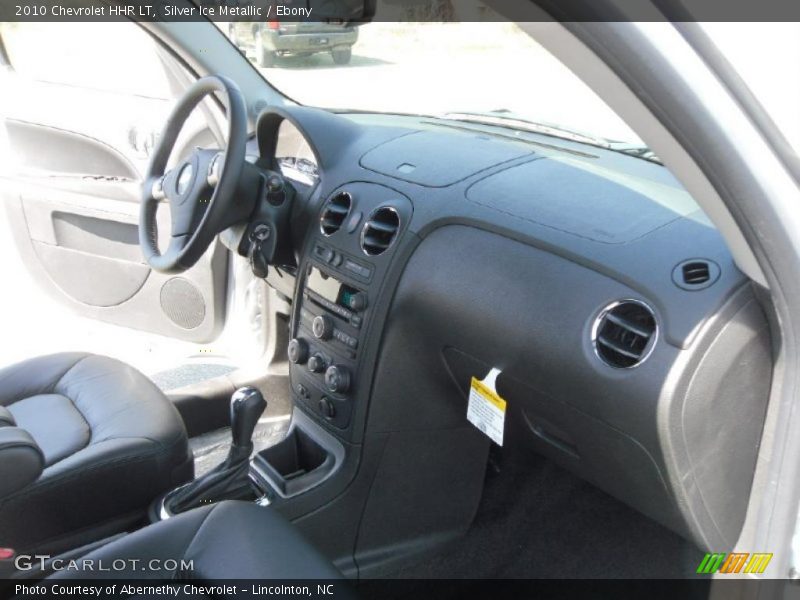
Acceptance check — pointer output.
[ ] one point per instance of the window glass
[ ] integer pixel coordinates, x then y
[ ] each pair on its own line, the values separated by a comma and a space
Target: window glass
428, 68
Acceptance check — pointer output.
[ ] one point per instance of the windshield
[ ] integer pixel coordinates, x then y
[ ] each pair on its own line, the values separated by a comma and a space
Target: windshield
454, 70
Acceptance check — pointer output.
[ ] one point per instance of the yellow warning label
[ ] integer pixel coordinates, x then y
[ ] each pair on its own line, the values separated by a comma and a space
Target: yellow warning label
489, 394
486, 410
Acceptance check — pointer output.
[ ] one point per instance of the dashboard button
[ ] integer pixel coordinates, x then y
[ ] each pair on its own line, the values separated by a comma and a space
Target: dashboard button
322, 327
357, 269
326, 254
358, 301
337, 379
327, 408
316, 364
303, 391
298, 351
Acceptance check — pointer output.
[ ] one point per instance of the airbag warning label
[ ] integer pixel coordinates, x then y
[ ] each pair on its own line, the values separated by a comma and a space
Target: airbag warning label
486, 410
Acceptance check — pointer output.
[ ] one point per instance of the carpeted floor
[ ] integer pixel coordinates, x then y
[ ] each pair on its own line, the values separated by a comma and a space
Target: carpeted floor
211, 448
188, 374
537, 520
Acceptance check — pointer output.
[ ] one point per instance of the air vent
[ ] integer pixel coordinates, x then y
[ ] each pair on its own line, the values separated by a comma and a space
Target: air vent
625, 333
335, 213
380, 230
695, 274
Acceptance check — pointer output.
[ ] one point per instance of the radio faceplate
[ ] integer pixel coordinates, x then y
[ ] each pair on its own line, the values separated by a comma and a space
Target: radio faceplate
338, 309
327, 333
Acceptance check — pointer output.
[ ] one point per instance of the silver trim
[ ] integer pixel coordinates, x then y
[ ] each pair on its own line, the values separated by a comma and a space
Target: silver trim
157, 189
263, 500
651, 344
369, 218
214, 168
325, 209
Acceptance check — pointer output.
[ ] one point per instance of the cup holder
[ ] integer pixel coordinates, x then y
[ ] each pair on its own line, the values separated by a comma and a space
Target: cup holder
295, 464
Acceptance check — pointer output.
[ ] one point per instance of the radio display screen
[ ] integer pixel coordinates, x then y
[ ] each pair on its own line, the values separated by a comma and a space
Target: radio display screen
324, 285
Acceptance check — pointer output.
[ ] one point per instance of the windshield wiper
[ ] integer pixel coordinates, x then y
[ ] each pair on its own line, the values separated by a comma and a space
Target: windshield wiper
509, 120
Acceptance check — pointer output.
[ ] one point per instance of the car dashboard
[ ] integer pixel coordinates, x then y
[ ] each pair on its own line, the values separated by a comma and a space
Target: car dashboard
631, 349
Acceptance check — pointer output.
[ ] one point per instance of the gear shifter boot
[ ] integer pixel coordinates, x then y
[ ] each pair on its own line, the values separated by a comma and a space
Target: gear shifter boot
227, 479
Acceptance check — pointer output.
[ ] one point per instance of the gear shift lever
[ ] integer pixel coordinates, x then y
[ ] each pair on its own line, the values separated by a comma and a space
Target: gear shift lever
228, 478
247, 405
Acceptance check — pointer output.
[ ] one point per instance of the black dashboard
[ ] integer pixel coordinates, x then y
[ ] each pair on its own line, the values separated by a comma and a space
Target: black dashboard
631, 349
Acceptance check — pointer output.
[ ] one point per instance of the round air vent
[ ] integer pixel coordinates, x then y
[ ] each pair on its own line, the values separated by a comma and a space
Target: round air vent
695, 274
625, 333
335, 213
380, 231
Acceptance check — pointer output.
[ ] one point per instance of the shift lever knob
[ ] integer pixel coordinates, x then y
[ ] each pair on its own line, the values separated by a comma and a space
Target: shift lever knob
247, 405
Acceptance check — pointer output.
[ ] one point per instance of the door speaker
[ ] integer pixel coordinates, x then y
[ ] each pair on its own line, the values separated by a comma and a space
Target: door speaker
183, 303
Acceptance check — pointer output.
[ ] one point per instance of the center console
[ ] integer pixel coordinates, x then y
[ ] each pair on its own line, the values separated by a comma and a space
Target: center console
335, 328
329, 332
337, 301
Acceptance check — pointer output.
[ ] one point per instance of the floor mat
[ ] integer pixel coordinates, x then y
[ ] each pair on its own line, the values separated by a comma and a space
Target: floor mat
211, 448
189, 374
537, 520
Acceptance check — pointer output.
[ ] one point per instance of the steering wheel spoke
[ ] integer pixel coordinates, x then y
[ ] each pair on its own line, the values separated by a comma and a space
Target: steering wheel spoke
214, 168
199, 189
157, 189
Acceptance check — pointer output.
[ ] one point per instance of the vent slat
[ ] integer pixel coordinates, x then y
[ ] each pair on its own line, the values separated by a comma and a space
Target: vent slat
383, 227
371, 240
339, 210
618, 348
628, 324
379, 231
695, 273
335, 213
624, 334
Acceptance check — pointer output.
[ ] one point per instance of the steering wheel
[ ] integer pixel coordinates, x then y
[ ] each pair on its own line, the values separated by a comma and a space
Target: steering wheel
200, 190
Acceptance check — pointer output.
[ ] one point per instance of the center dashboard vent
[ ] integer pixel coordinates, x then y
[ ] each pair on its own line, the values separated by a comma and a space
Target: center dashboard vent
335, 213
625, 333
380, 230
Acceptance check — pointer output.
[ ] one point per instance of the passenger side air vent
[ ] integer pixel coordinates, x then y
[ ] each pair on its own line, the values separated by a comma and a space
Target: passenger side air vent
695, 274
380, 230
624, 334
335, 213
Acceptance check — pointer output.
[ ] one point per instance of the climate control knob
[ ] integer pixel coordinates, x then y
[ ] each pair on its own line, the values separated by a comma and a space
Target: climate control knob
298, 351
337, 379
316, 364
322, 326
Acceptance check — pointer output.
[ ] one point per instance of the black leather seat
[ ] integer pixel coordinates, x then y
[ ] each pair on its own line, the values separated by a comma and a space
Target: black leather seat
229, 540
108, 440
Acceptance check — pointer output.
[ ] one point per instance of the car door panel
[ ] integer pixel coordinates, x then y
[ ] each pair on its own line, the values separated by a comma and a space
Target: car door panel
83, 250
78, 150
43, 147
